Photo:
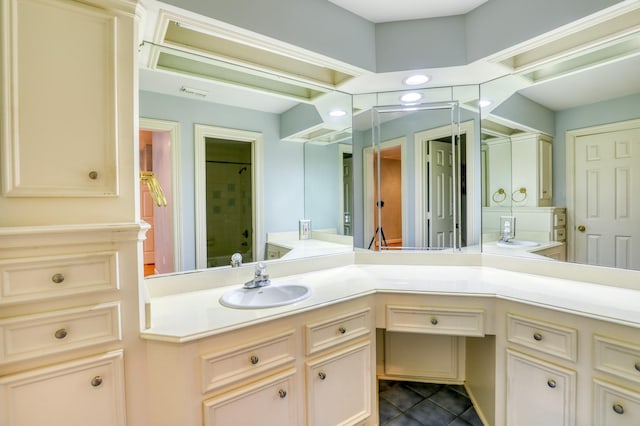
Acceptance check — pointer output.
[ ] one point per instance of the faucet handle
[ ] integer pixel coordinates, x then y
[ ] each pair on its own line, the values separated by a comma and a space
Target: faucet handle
261, 269
236, 260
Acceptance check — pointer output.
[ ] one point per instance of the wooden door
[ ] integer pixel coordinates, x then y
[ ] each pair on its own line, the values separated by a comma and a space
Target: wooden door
607, 204
441, 209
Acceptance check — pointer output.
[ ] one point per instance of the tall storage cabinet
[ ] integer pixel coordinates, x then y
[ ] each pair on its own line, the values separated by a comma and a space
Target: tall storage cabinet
69, 228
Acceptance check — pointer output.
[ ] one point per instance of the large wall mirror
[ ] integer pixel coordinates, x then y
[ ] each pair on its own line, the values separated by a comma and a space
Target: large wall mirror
561, 158
242, 157
417, 183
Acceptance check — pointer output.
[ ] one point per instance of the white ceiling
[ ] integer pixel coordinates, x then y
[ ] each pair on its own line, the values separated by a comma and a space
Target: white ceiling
379, 11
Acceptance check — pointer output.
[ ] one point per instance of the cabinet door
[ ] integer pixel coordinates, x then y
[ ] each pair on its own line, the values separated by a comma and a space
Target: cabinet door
539, 393
81, 393
339, 387
61, 62
269, 402
545, 172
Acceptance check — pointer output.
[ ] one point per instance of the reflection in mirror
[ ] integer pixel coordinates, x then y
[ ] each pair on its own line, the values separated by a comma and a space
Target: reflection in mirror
237, 149
560, 156
414, 187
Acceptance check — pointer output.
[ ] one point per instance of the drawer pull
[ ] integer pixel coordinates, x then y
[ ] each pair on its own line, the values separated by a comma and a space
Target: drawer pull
342, 330
254, 359
96, 381
552, 383
282, 393
322, 375
61, 334
537, 337
93, 175
637, 366
434, 321
619, 409
57, 278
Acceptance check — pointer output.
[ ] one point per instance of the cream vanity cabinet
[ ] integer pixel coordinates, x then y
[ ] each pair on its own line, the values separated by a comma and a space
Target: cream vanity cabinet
531, 170
312, 368
61, 332
539, 391
425, 336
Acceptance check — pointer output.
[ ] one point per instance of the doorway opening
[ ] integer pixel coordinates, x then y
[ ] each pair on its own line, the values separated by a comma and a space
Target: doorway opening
229, 200
159, 160
228, 188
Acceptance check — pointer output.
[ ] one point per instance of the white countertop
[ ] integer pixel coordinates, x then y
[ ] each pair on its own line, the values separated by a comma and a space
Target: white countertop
193, 315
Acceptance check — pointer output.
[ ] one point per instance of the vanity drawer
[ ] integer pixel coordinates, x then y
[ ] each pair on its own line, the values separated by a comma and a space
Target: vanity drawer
560, 219
617, 358
614, 405
559, 234
542, 336
449, 321
44, 334
37, 278
335, 331
220, 369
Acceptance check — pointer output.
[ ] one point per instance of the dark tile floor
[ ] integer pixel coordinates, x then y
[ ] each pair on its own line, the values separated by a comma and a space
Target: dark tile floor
425, 404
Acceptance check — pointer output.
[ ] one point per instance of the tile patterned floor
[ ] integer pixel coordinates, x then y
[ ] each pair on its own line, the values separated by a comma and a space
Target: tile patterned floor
425, 404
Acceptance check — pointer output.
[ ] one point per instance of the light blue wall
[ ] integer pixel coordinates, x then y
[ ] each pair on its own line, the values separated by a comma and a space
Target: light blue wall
283, 161
612, 111
321, 185
524, 111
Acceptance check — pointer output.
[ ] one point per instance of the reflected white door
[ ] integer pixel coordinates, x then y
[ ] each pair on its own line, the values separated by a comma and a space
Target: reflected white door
607, 209
440, 229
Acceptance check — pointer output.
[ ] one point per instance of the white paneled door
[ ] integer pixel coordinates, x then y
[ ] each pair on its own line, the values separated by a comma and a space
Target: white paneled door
607, 199
440, 194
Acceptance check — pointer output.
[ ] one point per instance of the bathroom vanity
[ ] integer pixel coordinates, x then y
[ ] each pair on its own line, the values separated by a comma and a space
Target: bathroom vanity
424, 317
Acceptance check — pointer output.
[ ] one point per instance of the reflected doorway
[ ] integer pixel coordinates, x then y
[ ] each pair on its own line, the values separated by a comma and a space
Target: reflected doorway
229, 195
159, 154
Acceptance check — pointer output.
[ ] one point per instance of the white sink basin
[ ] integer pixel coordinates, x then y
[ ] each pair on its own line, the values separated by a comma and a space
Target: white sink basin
265, 297
517, 244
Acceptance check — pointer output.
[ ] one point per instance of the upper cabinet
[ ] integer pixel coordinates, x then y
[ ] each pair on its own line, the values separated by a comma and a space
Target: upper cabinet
531, 176
67, 111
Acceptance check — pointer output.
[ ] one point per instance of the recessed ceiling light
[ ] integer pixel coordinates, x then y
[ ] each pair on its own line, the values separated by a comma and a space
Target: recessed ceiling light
416, 79
483, 103
410, 97
337, 113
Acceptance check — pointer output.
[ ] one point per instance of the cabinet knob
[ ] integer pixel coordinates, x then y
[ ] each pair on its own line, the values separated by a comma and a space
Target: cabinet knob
582, 228
57, 278
322, 375
96, 381
552, 383
342, 330
434, 321
93, 175
537, 337
282, 393
61, 333
618, 409
254, 359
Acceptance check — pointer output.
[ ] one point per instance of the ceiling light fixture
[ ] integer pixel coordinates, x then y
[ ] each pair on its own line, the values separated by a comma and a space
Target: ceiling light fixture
416, 79
483, 103
195, 92
337, 113
411, 97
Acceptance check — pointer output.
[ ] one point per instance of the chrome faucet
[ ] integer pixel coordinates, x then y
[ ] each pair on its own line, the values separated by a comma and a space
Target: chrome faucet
236, 260
260, 277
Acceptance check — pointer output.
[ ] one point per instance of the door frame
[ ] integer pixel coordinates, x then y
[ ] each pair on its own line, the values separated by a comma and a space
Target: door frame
570, 143
342, 149
173, 128
201, 132
370, 187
